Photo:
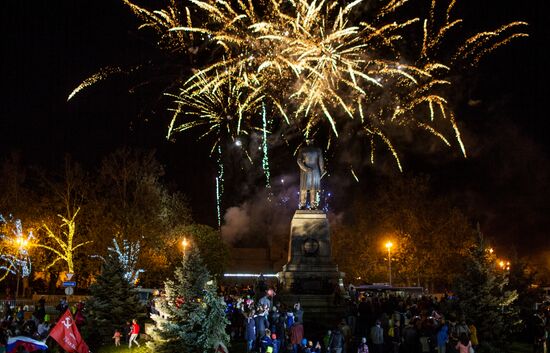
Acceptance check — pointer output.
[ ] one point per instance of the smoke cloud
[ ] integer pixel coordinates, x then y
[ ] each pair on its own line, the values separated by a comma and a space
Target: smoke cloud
264, 217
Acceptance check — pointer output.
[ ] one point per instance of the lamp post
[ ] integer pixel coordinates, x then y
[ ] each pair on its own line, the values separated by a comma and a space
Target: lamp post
389, 245
21, 244
184, 244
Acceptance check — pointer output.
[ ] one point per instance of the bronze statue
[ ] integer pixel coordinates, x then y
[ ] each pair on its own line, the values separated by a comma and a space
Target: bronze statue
312, 169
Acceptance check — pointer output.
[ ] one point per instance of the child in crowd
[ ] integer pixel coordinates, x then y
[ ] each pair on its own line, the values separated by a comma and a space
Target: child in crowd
116, 337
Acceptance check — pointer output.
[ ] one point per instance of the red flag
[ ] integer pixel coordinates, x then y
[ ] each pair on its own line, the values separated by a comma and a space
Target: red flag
66, 334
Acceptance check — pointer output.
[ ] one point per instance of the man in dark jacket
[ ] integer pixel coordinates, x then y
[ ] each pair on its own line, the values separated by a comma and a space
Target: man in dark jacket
250, 331
261, 322
336, 341
377, 337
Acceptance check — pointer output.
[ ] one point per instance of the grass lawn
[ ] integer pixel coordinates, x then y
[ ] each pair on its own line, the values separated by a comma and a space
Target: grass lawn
236, 347
124, 349
520, 347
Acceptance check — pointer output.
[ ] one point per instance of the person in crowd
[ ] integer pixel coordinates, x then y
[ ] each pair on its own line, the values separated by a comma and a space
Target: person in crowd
127, 331
134, 334
346, 332
298, 313
410, 338
304, 347
326, 341
44, 329
41, 309
377, 337
464, 344
352, 314
260, 319
267, 299
265, 341
8, 313
395, 337
62, 306
442, 337
473, 334
296, 335
79, 315
363, 347
250, 331
461, 328
116, 337
336, 342
317, 348
275, 343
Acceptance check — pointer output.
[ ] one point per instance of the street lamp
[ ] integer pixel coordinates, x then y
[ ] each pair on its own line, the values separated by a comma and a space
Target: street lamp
389, 245
21, 245
504, 265
184, 244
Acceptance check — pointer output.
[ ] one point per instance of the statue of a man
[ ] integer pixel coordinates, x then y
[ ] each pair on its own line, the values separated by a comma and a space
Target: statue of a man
312, 169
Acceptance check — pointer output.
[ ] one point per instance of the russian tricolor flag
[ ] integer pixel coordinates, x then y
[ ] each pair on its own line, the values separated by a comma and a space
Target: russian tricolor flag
28, 343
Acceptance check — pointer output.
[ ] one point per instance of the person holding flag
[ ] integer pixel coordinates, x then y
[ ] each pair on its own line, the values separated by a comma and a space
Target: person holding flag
67, 336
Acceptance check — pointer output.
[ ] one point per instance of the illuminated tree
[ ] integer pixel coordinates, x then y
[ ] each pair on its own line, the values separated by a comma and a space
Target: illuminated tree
191, 315
128, 256
484, 298
136, 206
113, 300
63, 198
14, 249
62, 242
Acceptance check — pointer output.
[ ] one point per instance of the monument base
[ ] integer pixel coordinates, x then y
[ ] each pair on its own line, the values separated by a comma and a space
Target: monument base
310, 277
310, 269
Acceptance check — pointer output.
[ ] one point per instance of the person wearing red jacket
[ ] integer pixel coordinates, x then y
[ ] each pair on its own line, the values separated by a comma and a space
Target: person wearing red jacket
134, 334
296, 336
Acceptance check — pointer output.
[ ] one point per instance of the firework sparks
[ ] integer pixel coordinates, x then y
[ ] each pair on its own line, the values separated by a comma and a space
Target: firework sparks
311, 65
226, 110
95, 78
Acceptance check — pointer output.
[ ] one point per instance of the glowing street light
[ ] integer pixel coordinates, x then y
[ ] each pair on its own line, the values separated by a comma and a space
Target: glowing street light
21, 249
504, 265
389, 245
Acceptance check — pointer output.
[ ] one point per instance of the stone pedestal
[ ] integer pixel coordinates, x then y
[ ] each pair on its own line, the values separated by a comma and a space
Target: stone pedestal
310, 269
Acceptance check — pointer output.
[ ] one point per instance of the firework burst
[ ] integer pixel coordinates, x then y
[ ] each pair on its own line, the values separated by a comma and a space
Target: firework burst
314, 64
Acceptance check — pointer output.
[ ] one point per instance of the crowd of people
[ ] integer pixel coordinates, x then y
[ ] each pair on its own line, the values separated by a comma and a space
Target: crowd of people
34, 322
372, 323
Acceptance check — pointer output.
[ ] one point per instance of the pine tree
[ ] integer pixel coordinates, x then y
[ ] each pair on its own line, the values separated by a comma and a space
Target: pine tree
114, 301
483, 298
191, 315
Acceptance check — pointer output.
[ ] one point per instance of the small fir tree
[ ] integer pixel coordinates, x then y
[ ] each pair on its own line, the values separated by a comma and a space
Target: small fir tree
483, 298
191, 315
113, 301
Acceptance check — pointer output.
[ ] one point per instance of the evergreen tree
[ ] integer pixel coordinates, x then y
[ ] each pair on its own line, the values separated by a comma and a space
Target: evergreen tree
191, 315
114, 301
483, 299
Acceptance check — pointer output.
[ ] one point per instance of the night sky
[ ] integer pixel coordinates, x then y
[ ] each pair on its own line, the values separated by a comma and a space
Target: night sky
49, 47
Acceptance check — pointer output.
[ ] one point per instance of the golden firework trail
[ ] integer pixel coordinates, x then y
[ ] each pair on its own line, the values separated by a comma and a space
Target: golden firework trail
313, 65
